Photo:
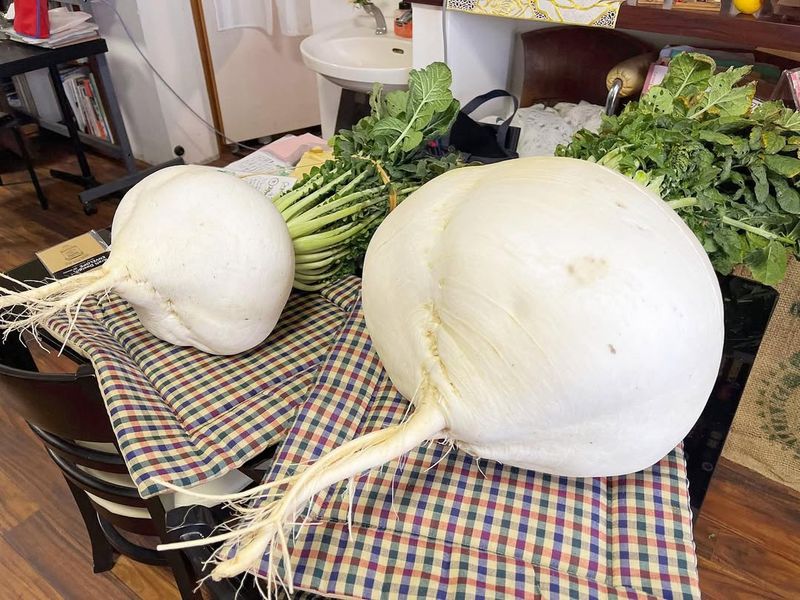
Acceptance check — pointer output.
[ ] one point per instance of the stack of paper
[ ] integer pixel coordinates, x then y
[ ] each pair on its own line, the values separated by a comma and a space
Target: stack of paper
66, 27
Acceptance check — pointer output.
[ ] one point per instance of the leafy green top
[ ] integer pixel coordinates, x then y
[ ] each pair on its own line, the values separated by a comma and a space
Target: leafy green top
729, 171
401, 122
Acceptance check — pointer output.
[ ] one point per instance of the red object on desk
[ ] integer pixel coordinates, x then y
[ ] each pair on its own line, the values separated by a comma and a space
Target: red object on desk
31, 18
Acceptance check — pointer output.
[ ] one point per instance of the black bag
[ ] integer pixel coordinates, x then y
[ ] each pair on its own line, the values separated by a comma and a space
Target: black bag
483, 142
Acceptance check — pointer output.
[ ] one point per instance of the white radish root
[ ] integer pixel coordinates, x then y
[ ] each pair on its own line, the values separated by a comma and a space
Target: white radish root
31, 307
263, 529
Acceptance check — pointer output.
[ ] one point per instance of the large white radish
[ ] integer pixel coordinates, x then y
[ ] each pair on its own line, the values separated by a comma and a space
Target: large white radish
547, 313
204, 259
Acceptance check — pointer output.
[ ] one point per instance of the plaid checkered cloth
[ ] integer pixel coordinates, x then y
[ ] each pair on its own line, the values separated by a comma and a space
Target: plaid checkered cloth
185, 416
435, 524
441, 524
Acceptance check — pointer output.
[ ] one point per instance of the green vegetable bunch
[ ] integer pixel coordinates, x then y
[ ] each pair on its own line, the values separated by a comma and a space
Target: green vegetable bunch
334, 210
730, 171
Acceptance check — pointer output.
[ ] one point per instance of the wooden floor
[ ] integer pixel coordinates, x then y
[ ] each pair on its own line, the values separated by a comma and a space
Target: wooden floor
747, 536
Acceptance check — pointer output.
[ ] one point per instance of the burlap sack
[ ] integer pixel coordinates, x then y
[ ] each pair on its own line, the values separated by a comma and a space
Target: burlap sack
765, 435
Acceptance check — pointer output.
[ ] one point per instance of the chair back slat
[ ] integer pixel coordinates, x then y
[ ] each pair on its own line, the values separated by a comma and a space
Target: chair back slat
68, 405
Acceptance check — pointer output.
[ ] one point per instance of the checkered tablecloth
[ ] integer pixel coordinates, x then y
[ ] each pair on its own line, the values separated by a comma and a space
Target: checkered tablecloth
440, 524
185, 416
435, 524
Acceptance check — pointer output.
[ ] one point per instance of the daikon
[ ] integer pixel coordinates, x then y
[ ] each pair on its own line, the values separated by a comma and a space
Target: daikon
203, 259
547, 313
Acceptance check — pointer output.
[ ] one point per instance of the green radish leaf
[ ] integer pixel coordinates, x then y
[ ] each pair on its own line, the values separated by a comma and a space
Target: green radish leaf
787, 196
756, 241
783, 165
412, 140
722, 99
755, 138
730, 243
767, 111
441, 121
789, 120
772, 142
761, 187
709, 135
389, 127
375, 103
430, 86
768, 264
396, 103
658, 99
688, 74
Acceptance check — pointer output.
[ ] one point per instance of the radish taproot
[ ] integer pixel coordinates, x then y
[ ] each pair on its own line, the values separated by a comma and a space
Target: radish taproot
547, 313
203, 259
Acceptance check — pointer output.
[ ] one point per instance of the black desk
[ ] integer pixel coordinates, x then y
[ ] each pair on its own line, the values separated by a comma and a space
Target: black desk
17, 58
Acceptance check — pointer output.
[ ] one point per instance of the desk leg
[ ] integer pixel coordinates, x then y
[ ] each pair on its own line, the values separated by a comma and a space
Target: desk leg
85, 178
114, 114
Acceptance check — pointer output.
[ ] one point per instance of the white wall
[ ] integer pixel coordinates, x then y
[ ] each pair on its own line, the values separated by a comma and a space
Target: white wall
331, 13
155, 120
262, 84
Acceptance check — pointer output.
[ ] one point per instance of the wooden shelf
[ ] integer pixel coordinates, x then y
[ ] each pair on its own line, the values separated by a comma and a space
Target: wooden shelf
742, 30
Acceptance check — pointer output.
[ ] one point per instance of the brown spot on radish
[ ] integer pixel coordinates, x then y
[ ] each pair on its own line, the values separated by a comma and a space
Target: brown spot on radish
588, 269
620, 204
612, 349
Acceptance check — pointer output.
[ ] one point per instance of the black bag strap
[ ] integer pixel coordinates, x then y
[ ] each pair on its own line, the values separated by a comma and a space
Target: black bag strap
502, 129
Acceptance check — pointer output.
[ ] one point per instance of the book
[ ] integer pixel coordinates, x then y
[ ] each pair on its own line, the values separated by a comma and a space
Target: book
74, 256
84, 98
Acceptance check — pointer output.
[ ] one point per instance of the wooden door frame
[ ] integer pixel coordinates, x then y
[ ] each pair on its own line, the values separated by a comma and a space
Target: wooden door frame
198, 14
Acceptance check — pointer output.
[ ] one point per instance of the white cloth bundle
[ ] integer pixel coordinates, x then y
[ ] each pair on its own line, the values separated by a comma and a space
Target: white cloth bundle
542, 128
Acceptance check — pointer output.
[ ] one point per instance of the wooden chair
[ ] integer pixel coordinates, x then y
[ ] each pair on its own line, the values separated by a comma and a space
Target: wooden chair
67, 412
570, 64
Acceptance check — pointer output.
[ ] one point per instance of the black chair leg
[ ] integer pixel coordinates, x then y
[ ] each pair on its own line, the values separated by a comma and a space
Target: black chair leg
181, 567
23, 150
103, 557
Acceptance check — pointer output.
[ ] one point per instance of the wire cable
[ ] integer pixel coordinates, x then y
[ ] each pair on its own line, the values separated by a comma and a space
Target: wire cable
444, 33
164, 81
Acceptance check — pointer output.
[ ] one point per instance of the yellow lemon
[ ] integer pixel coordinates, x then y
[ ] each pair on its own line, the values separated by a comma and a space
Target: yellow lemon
747, 7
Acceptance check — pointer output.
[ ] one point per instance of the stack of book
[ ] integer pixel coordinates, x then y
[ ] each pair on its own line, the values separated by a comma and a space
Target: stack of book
84, 97
32, 94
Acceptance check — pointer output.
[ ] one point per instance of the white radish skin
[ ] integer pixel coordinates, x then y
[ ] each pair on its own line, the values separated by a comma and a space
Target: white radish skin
546, 313
202, 257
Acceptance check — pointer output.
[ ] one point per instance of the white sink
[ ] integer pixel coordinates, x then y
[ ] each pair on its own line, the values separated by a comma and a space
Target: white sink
356, 58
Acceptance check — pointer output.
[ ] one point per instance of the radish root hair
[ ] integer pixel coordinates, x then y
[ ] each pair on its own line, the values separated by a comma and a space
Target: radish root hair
31, 307
263, 529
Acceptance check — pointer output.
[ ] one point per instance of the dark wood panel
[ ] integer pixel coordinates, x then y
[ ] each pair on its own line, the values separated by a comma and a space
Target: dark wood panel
747, 537
756, 563
755, 508
19, 578
146, 581
63, 560
717, 583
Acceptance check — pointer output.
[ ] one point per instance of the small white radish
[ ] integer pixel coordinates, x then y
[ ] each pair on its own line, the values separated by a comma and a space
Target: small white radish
202, 257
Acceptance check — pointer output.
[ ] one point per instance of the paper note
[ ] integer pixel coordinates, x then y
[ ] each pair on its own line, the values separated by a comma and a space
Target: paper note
74, 256
269, 185
260, 162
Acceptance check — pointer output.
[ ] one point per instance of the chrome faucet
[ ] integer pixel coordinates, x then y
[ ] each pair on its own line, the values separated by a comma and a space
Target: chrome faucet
375, 13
